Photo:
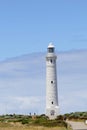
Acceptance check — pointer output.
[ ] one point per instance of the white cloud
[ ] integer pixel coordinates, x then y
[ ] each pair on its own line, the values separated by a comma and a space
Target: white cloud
21, 105
22, 83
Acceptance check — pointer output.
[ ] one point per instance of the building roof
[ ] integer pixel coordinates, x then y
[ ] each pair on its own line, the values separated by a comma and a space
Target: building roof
51, 45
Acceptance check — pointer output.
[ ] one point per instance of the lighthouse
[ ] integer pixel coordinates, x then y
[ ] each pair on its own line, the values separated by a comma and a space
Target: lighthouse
52, 108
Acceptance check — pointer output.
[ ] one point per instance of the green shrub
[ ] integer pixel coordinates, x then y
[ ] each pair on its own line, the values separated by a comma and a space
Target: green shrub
24, 121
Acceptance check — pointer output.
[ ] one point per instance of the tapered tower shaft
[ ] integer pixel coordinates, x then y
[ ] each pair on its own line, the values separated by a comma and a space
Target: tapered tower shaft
52, 108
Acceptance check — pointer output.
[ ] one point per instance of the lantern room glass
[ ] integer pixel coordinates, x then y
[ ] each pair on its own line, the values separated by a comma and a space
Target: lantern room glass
50, 50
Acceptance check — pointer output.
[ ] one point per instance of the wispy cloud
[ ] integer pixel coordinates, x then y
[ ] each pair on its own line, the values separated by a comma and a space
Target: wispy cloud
21, 105
73, 81
22, 83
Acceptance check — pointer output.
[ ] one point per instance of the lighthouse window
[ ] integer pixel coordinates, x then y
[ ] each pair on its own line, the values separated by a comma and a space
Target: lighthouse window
50, 50
52, 102
51, 60
51, 82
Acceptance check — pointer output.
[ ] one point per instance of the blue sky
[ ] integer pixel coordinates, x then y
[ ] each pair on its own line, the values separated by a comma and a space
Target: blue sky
28, 26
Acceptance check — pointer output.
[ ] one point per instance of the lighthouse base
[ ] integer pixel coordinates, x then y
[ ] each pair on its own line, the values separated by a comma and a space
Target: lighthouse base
52, 112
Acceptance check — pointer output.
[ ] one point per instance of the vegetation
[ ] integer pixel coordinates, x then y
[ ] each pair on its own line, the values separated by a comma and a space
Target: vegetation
33, 120
76, 116
42, 122
24, 122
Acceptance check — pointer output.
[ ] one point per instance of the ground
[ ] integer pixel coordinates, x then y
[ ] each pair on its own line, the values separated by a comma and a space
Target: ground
77, 125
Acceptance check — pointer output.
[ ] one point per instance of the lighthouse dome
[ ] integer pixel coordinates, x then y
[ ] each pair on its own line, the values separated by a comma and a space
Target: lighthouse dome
51, 45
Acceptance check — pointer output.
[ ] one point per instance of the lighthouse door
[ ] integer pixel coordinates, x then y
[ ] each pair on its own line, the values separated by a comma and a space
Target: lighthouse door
52, 112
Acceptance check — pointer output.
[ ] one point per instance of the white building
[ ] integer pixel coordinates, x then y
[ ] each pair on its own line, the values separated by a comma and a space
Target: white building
52, 108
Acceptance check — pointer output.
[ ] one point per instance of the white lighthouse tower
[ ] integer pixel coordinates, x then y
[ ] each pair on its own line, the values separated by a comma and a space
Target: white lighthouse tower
52, 108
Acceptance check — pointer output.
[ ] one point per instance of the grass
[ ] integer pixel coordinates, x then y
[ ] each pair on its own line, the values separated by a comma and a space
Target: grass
19, 126
25, 127
25, 122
